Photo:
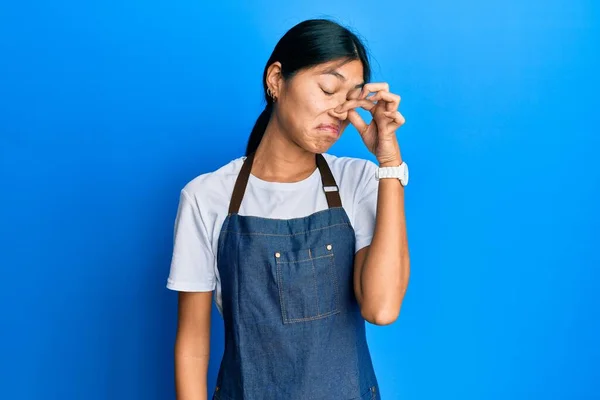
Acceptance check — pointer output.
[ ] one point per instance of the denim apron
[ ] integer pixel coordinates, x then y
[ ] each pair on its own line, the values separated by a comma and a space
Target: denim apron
293, 327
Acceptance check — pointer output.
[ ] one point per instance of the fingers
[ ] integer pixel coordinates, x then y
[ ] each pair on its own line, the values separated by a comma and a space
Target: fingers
392, 101
382, 90
351, 104
356, 120
396, 117
389, 106
373, 87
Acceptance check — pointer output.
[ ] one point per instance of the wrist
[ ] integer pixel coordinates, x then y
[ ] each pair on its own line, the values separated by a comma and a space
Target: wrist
394, 162
391, 156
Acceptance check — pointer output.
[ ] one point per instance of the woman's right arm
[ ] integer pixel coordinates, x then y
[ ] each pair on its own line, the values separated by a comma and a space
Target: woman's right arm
192, 345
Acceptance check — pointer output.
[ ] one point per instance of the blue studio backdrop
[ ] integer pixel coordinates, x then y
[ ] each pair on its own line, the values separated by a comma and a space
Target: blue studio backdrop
107, 109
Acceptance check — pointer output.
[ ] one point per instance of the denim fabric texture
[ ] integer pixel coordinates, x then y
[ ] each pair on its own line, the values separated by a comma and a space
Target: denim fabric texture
293, 327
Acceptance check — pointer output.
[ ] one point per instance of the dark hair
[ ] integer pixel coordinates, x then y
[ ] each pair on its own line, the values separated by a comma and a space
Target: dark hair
305, 45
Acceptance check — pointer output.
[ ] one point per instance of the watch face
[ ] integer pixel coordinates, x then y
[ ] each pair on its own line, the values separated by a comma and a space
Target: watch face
405, 177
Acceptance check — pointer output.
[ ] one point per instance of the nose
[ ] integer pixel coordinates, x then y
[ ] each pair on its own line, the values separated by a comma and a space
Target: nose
338, 101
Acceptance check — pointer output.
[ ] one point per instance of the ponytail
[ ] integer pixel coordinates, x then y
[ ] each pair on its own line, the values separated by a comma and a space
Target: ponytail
260, 126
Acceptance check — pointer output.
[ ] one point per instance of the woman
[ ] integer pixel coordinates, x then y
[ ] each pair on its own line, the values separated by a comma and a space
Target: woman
298, 263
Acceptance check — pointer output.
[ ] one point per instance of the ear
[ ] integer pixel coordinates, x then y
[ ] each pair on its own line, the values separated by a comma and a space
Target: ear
274, 78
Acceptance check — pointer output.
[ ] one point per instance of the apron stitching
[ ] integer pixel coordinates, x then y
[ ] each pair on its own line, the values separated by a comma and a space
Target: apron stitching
293, 234
222, 236
281, 302
315, 317
333, 274
238, 341
305, 259
315, 280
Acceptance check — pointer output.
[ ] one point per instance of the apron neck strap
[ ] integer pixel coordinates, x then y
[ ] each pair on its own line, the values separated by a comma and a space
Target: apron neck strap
329, 185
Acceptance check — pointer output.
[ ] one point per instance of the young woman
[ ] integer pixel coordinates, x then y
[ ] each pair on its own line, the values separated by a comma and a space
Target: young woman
300, 246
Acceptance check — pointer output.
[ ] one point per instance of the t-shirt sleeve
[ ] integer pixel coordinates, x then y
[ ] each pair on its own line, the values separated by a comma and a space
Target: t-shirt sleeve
192, 263
365, 206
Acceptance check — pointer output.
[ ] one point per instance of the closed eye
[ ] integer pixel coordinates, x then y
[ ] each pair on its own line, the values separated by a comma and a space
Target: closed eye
326, 92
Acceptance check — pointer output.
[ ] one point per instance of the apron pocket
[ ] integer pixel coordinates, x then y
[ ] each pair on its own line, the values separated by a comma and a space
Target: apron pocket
307, 281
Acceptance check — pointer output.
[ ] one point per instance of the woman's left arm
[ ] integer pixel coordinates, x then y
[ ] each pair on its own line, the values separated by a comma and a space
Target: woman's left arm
381, 270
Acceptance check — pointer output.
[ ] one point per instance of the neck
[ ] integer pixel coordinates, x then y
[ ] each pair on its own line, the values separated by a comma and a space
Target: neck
278, 159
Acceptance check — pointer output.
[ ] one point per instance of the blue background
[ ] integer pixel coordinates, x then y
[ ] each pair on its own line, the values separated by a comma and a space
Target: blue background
108, 108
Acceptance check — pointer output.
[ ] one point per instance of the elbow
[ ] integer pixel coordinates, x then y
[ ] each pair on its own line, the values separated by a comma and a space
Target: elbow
382, 316
382, 312
386, 310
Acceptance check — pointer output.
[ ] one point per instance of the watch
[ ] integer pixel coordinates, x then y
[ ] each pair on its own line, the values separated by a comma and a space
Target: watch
400, 172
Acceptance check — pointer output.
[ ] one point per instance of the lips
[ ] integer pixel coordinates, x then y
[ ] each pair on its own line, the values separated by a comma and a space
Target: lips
330, 127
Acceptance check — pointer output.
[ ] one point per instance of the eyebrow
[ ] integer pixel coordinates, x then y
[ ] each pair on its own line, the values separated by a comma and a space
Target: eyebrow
342, 77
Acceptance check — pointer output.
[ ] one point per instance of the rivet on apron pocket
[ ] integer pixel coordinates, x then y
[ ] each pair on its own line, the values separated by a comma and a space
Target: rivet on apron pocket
277, 255
329, 247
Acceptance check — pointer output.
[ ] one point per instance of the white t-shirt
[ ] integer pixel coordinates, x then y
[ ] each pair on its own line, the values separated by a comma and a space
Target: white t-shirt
204, 204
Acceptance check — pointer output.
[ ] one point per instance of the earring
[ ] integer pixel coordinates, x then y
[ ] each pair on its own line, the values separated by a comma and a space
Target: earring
270, 93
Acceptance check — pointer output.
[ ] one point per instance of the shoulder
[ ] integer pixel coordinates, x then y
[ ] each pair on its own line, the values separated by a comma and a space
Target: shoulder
348, 163
358, 187
350, 169
216, 186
